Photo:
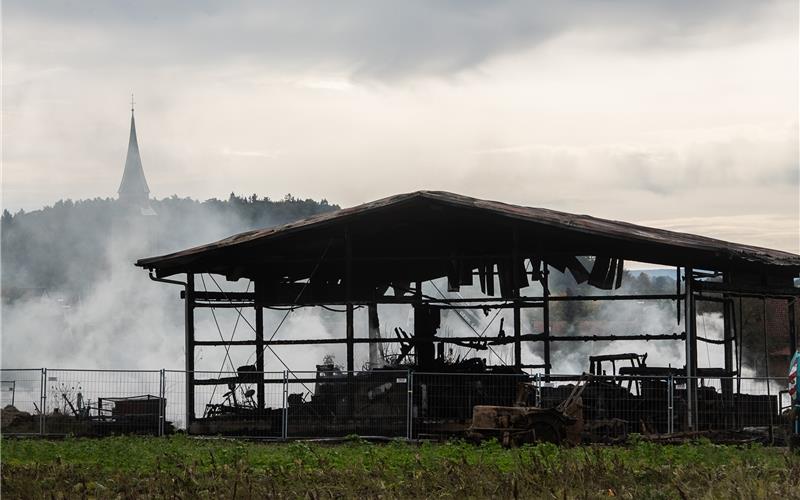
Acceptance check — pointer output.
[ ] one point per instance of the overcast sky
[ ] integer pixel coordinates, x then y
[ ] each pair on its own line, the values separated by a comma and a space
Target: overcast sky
678, 114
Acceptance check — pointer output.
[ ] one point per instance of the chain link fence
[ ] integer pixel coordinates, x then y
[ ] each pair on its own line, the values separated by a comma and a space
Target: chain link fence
377, 403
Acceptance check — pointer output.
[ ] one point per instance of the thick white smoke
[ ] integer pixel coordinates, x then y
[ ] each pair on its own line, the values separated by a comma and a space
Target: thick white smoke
123, 320
126, 321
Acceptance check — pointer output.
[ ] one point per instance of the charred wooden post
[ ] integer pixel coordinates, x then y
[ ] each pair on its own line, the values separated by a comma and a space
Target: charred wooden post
739, 357
517, 319
189, 346
260, 355
766, 361
792, 350
546, 316
348, 287
425, 325
376, 359
728, 334
792, 327
427, 320
694, 381
350, 336
690, 324
678, 294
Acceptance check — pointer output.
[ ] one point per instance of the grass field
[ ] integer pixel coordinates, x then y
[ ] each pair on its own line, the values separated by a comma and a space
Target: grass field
180, 467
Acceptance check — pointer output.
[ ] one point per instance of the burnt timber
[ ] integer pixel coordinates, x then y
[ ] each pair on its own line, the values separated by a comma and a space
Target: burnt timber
380, 253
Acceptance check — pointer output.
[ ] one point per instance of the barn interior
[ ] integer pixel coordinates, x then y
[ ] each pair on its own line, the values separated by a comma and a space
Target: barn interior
381, 253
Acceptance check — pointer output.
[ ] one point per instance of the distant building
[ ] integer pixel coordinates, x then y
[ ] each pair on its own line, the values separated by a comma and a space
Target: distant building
133, 190
137, 228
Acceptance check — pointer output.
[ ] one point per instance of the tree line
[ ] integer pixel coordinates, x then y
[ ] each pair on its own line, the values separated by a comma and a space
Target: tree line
67, 246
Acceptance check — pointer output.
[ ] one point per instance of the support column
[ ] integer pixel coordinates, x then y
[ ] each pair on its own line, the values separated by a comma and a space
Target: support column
376, 359
517, 335
691, 350
727, 331
677, 293
260, 354
795, 439
792, 326
350, 336
766, 364
348, 287
546, 316
420, 349
728, 336
517, 318
189, 348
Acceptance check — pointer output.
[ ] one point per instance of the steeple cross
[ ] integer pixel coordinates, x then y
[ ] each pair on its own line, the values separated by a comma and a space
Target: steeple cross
132, 103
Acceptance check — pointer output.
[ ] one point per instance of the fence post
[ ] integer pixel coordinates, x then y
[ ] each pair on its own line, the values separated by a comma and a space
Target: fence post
44, 401
42, 396
285, 419
670, 405
409, 405
162, 408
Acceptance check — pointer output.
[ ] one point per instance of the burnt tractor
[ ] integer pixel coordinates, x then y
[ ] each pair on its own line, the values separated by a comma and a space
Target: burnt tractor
520, 424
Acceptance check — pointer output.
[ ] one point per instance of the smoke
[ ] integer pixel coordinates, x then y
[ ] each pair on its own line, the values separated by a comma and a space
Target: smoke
626, 317
95, 310
120, 319
105, 313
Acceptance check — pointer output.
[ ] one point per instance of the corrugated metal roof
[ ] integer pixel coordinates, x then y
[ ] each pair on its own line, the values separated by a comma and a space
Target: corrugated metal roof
574, 223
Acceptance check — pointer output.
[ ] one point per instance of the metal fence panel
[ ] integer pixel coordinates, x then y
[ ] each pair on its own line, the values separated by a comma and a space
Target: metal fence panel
174, 391
21, 400
102, 402
230, 405
442, 403
336, 403
615, 406
397, 404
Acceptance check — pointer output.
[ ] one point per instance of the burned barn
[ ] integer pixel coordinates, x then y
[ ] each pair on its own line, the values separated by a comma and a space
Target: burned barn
382, 252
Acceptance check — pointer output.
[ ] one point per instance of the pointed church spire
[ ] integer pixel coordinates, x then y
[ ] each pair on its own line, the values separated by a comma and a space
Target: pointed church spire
133, 188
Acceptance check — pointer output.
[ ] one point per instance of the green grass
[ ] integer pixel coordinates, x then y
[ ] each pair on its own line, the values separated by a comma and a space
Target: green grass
138, 467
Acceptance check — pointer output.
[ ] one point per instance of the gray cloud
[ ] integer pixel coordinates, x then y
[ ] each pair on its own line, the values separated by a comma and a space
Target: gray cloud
363, 38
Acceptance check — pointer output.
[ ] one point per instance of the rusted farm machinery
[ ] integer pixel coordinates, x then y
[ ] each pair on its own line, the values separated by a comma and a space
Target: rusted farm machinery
520, 424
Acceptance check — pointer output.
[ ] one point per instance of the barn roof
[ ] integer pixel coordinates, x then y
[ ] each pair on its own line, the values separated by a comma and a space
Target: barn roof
437, 223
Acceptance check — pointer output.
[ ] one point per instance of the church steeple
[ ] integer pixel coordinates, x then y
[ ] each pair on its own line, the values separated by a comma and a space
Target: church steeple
133, 188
